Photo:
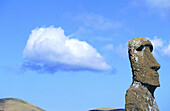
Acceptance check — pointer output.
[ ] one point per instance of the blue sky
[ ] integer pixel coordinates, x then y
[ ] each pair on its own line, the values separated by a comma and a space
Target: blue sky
72, 55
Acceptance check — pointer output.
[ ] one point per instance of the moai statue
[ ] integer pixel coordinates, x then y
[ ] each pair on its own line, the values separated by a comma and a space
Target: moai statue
140, 95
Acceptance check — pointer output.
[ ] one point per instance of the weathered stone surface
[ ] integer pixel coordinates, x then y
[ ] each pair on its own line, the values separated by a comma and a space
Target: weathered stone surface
13, 104
107, 109
140, 95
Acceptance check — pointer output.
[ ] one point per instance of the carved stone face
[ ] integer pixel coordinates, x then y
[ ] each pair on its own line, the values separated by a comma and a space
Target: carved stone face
144, 66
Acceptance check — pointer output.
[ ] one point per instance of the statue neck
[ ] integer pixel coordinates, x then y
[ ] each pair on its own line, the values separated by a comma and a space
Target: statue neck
151, 88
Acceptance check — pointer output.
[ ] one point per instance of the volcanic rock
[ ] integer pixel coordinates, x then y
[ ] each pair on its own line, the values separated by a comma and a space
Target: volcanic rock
140, 95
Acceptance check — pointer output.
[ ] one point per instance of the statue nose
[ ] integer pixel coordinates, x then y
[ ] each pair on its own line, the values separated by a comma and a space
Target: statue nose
155, 67
154, 64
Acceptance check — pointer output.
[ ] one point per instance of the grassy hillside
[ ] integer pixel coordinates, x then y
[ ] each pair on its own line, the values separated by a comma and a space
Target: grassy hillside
13, 104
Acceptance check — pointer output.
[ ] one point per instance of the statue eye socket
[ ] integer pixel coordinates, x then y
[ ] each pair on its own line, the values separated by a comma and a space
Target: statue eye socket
140, 48
151, 47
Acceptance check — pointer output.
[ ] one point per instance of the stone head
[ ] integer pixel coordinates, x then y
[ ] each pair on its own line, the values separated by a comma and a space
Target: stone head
144, 66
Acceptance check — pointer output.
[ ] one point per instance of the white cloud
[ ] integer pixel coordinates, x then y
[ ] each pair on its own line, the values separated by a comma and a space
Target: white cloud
97, 21
104, 39
157, 45
83, 32
122, 51
156, 42
108, 47
52, 49
159, 3
160, 48
158, 7
166, 50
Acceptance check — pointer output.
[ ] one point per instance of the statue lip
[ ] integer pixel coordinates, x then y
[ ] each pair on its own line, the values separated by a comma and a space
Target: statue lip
155, 72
